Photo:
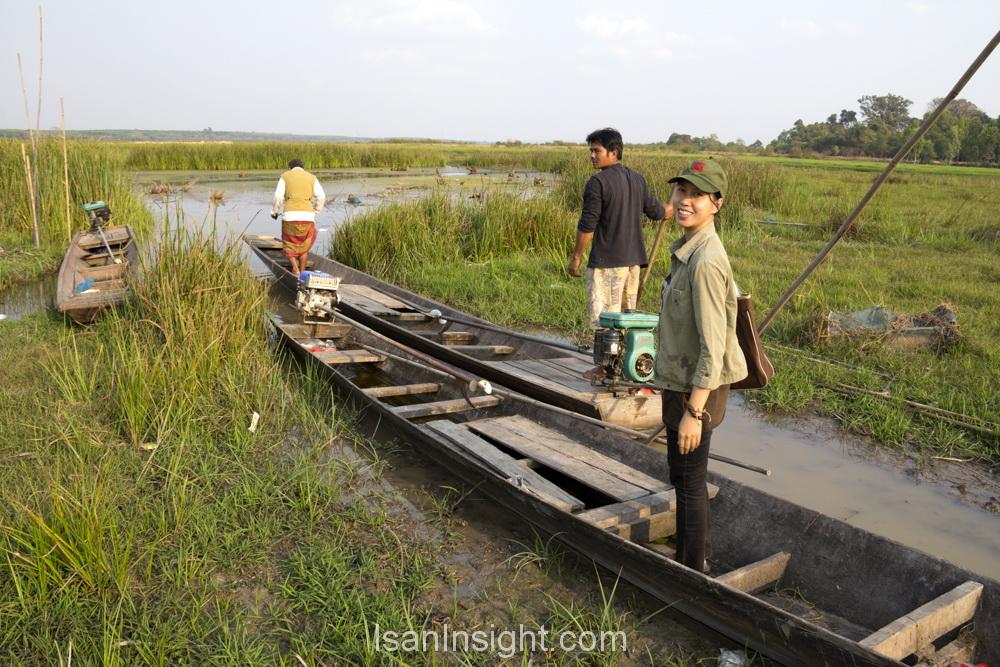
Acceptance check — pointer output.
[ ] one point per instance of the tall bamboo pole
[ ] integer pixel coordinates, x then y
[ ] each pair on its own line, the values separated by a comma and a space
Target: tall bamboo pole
41, 60
31, 192
62, 126
34, 151
852, 216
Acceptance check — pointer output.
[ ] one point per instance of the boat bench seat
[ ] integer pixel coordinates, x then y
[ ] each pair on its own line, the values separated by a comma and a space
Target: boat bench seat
642, 519
489, 349
335, 357
403, 389
912, 632
445, 407
757, 575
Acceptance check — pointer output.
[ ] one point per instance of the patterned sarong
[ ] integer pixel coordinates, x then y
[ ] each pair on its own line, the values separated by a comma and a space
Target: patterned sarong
297, 237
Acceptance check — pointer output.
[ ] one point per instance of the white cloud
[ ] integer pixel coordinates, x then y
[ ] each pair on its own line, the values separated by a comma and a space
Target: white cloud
606, 28
801, 27
918, 7
398, 16
390, 55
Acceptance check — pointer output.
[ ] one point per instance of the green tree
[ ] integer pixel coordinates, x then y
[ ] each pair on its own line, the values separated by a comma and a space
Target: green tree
893, 111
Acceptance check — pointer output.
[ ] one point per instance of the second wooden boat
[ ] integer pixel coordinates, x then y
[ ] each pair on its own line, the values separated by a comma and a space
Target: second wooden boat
95, 271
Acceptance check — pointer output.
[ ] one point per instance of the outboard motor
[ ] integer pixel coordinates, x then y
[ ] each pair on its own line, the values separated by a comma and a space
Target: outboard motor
317, 296
625, 346
98, 213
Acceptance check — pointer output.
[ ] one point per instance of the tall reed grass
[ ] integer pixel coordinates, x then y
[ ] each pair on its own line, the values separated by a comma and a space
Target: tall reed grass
274, 155
393, 239
95, 172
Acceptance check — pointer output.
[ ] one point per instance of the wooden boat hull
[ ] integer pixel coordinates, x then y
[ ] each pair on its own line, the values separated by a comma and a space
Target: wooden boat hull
86, 258
550, 374
856, 583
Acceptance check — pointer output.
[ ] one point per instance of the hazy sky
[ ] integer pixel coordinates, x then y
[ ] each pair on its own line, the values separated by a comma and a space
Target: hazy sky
487, 70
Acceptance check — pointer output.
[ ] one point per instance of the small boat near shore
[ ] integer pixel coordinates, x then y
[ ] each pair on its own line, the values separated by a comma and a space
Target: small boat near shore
793, 584
95, 271
539, 369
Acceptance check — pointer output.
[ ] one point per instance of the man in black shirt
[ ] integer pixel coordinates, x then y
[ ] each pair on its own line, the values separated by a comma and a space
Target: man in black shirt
614, 201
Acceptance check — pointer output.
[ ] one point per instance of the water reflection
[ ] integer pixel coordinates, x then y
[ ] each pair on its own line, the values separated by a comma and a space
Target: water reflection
23, 300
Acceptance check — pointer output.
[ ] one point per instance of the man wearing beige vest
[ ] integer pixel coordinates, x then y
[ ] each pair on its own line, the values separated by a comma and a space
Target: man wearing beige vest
303, 197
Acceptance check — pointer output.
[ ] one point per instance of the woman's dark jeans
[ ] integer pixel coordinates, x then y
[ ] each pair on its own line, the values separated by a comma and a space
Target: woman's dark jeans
688, 474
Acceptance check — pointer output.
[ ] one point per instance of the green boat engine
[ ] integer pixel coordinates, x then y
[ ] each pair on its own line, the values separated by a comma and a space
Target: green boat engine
625, 346
98, 213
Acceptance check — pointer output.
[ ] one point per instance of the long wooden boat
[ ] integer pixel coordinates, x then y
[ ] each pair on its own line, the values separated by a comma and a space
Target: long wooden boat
548, 373
793, 584
90, 279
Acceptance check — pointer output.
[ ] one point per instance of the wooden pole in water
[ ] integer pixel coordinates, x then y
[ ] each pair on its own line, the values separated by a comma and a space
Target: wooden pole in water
849, 220
62, 126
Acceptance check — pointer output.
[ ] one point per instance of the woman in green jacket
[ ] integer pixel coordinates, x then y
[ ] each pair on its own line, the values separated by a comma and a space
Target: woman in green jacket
697, 354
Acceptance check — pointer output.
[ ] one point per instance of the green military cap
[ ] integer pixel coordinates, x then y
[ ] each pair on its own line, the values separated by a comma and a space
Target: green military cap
706, 175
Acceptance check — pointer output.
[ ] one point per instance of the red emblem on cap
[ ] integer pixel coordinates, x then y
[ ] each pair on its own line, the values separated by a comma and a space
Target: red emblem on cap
698, 166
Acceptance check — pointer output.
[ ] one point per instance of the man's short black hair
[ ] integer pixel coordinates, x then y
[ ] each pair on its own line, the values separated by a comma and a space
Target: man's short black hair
292, 164
608, 137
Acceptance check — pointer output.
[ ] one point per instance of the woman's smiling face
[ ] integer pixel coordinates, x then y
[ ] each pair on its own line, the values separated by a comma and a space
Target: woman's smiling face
693, 208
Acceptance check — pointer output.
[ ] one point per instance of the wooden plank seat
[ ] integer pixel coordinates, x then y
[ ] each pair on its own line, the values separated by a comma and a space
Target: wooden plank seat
758, 575
319, 330
365, 292
114, 238
405, 316
515, 470
643, 519
450, 337
403, 389
445, 407
491, 349
334, 357
909, 633
105, 272
610, 516
559, 452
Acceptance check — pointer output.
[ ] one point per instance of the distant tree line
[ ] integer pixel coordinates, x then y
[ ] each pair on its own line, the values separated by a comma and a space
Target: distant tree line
963, 133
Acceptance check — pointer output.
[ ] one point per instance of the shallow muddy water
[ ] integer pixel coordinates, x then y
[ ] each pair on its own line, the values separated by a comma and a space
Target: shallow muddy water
817, 465
27, 299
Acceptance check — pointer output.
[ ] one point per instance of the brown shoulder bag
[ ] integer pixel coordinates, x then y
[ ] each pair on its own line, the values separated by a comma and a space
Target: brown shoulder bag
759, 368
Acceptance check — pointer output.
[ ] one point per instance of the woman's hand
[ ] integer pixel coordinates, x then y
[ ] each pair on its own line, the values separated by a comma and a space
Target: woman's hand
688, 434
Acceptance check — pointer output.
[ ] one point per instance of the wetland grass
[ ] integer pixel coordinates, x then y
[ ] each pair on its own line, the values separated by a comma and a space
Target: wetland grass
195, 547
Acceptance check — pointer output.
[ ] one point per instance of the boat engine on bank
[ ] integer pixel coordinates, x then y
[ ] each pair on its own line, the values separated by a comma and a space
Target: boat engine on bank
625, 346
317, 296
